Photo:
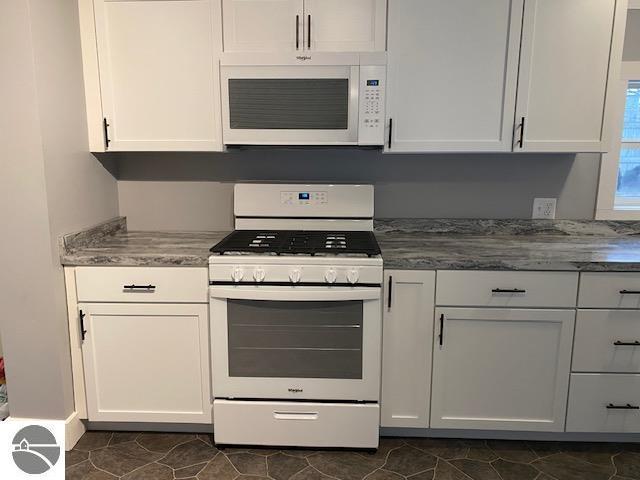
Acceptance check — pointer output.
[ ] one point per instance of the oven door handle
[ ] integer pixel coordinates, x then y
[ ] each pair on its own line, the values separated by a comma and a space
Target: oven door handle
295, 293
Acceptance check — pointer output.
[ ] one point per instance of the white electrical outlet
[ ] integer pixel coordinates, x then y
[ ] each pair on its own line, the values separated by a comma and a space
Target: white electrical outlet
544, 208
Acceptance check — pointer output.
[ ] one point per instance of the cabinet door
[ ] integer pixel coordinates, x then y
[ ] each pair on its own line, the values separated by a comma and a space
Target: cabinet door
159, 75
345, 25
563, 75
263, 25
147, 363
501, 369
406, 348
452, 74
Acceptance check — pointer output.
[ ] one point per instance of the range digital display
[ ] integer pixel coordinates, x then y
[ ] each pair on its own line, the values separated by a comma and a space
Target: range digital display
303, 196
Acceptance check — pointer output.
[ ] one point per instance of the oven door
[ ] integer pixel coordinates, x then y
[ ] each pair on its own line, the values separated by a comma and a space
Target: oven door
302, 342
290, 105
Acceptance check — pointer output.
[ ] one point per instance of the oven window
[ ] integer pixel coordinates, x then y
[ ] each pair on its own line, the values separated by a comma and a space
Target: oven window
289, 103
295, 339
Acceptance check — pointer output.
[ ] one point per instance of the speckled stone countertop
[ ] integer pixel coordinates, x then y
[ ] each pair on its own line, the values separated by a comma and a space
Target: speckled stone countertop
427, 244
561, 245
111, 244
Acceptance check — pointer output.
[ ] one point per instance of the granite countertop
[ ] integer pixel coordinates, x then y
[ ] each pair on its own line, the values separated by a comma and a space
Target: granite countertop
112, 244
418, 244
563, 245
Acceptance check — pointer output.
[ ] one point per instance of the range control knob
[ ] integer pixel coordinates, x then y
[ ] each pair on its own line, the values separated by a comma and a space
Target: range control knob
237, 273
294, 275
331, 275
258, 274
353, 275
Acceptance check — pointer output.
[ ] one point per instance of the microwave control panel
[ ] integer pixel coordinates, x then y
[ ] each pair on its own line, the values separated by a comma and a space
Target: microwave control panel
372, 103
303, 198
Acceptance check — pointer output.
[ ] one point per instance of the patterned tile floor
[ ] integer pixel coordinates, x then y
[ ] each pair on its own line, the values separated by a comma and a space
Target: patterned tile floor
169, 456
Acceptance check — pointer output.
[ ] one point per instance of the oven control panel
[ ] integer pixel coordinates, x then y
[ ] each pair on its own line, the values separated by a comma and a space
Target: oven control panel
304, 198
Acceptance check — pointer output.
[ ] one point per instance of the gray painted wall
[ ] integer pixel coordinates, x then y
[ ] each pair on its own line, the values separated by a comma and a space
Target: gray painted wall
194, 191
632, 37
50, 184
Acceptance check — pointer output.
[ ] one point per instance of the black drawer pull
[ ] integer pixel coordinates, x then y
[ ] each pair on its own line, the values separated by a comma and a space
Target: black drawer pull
628, 406
620, 343
629, 292
441, 336
139, 287
508, 290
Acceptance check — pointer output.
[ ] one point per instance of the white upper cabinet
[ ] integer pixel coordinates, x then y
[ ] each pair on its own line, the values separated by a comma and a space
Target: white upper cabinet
501, 369
406, 348
563, 75
345, 25
263, 25
158, 73
453, 68
304, 25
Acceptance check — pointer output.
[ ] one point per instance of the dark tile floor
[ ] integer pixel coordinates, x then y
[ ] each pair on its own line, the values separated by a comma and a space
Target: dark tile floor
169, 456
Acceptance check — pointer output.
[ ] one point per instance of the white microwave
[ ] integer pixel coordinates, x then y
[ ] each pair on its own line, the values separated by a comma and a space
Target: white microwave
303, 98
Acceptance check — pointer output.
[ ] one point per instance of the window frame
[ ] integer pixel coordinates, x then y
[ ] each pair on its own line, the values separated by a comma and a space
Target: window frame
607, 208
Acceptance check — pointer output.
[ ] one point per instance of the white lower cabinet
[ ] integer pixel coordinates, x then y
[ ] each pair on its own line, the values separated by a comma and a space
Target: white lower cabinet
501, 369
406, 351
146, 362
604, 403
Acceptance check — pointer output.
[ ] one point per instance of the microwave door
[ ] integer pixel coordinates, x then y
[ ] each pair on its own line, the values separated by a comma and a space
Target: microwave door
311, 105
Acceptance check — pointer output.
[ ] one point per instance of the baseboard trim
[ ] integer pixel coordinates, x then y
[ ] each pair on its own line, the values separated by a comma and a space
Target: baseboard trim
74, 428
510, 435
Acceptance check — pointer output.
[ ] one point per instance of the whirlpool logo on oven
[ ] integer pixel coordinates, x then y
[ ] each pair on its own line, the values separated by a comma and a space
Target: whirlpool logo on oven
295, 390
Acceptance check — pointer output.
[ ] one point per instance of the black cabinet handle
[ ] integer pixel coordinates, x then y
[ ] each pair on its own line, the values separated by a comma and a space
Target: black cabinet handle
309, 34
628, 406
508, 290
620, 343
105, 126
441, 336
521, 128
629, 292
297, 32
83, 332
389, 292
390, 131
139, 287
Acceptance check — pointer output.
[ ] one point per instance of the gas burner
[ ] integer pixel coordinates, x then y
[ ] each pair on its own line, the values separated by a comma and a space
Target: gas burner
298, 242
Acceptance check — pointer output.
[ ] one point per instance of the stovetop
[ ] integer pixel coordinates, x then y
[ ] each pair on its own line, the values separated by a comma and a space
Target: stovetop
298, 242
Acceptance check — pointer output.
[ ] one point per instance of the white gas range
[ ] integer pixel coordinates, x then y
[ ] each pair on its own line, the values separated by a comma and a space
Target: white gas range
296, 318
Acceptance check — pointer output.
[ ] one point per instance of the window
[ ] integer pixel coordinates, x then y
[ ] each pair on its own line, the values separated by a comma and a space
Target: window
628, 183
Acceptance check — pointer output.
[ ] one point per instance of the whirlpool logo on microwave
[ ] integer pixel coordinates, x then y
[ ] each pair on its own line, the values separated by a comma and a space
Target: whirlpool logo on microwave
295, 390
303, 57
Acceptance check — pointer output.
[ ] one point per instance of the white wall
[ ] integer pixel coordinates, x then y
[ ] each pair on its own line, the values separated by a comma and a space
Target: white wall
194, 191
49, 185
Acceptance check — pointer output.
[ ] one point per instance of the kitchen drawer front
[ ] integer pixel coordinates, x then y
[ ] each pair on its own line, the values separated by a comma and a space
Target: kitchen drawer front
609, 290
297, 424
591, 393
605, 341
506, 289
130, 284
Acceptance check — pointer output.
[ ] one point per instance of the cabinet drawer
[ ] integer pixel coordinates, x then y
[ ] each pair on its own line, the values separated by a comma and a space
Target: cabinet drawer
142, 284
592, 396
506, 289
609, 290
297, 424
604, 341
